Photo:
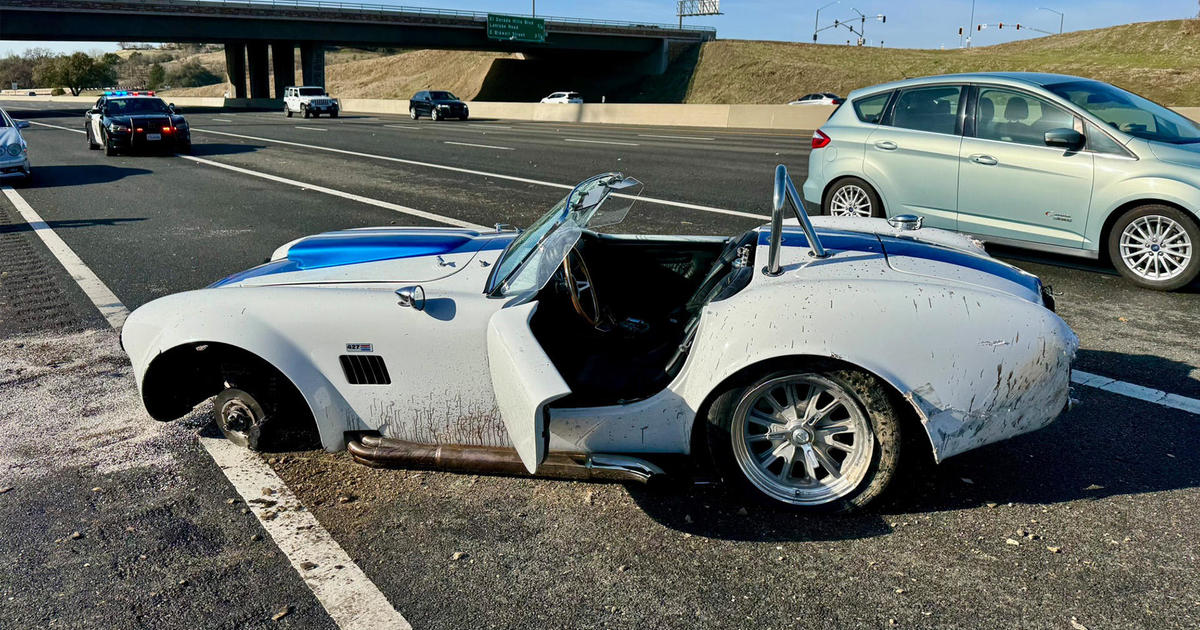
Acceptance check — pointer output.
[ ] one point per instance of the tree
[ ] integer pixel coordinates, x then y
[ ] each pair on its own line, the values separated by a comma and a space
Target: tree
156, 77
76, 72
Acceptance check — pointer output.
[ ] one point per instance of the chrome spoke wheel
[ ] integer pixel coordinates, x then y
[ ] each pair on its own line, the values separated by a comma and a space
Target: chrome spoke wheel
850, 201
802, 439
1156, 247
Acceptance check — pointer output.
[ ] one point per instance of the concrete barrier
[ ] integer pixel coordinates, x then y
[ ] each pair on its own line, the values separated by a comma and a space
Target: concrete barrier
783, 117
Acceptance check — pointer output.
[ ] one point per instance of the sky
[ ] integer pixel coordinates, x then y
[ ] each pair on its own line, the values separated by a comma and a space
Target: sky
910, 23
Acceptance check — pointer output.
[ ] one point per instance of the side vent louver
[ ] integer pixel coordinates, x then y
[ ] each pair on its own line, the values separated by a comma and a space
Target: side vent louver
365, 369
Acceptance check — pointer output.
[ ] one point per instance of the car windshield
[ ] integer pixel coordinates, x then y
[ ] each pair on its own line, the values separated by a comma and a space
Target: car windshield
312, 91
442, 96
1129, 112
532, 258
125, 106
4, 122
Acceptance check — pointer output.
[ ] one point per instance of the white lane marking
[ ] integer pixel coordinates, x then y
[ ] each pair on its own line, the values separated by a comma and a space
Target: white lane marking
489, 125
340, 193
468, 171
651, 135
407, 127
347, 594
311, 128
221, 120
104, 299
1156, 396
482, 146
628, 144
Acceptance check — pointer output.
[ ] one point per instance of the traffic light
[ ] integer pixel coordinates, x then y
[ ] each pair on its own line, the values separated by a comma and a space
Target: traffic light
1018, 27
883, 19
960, 31
979, 27
1001, 25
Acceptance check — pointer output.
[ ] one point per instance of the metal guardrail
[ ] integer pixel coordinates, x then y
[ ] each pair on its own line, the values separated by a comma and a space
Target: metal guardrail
389, 9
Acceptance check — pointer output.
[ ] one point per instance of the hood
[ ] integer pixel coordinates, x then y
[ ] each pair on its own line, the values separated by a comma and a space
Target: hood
371, 255
10, 135
1181, 154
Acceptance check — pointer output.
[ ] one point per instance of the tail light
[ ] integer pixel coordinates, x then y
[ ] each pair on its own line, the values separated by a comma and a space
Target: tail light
820, 140
166, 130
837, 101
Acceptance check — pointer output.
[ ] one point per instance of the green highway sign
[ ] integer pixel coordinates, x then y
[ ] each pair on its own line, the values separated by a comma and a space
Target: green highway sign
516, 28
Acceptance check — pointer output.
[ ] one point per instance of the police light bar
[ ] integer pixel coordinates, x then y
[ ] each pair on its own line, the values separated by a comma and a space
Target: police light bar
116, 93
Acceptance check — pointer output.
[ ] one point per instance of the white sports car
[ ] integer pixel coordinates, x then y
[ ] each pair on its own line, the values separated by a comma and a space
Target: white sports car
805, 360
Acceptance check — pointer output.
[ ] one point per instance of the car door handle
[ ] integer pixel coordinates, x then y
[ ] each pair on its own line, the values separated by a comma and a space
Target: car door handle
985, 160
886, 145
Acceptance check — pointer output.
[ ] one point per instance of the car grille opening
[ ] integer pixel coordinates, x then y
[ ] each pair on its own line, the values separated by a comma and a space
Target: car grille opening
365, 369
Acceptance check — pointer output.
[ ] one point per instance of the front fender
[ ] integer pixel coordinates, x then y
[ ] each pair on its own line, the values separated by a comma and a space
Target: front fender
221, 316
976, 366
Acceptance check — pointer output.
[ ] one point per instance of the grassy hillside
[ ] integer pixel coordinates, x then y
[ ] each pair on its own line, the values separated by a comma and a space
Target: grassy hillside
1158, 59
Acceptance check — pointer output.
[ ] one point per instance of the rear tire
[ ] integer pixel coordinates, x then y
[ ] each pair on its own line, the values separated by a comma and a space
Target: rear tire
412, 113
1155, 247
852, 197
109, 149
858, 433
287, 111
92, 144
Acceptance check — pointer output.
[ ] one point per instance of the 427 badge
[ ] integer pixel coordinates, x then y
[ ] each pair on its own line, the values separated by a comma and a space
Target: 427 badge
359, 347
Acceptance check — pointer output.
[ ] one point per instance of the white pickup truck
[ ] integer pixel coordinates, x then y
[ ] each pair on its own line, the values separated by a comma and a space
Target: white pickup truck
310, 101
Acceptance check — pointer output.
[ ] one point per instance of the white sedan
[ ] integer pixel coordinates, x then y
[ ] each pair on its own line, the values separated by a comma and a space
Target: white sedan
14, 151
564, 97
820, 98
560, 351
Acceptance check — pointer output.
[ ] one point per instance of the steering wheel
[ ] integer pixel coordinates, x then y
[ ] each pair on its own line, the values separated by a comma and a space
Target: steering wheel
581, 288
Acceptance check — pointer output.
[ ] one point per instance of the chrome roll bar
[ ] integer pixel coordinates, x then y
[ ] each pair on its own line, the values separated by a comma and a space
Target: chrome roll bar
785, 193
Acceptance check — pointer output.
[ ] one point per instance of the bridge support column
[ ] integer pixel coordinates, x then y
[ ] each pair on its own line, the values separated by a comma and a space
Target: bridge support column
283, 64
260, 70
235, 67
312, 63
655, 62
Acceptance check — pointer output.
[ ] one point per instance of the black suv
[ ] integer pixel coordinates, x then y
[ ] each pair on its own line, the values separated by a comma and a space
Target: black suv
437, 104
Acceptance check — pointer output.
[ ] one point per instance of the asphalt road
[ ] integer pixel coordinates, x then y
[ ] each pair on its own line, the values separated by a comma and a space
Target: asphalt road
1112, 486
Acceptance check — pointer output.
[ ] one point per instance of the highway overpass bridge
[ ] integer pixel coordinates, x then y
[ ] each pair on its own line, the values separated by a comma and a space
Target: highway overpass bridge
248, 28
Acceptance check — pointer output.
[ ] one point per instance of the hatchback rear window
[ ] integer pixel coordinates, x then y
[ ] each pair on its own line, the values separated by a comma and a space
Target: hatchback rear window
870, 108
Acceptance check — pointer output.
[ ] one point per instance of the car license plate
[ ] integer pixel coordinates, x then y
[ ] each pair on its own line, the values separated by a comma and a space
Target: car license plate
154, 136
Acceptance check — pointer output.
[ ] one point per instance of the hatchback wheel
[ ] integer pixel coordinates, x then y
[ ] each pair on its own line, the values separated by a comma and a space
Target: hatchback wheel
1154, 246
823, 440
412, 113
852, 197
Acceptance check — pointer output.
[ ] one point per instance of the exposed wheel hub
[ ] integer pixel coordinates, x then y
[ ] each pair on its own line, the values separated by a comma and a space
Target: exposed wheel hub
801, 436
237, 416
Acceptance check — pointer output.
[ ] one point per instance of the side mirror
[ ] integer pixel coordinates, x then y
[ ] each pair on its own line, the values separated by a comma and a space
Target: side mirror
22, 124
411, 297
1065, 138
90, 112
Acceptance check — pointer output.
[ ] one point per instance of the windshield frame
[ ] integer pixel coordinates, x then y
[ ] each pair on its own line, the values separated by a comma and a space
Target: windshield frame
1157, 111
551, 222
446, 95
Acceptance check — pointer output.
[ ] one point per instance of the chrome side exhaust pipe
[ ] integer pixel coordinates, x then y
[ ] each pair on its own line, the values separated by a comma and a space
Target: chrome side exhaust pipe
381, 452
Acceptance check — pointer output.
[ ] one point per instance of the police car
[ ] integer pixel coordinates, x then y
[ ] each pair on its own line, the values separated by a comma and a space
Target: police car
132, 121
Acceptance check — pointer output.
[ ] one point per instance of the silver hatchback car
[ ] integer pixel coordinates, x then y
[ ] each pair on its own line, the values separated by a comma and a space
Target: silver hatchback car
1043, 161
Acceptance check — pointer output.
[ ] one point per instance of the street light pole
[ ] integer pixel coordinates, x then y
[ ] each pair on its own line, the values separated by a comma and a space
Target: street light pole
971, 24
817, 19
1060, 18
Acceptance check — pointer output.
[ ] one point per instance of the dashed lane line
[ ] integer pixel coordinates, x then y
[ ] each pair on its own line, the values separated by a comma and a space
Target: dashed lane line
1150, 395
347, 594
468, 171
222, 120
651, 135
312, 128
482, 146
628, 144
405, 127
